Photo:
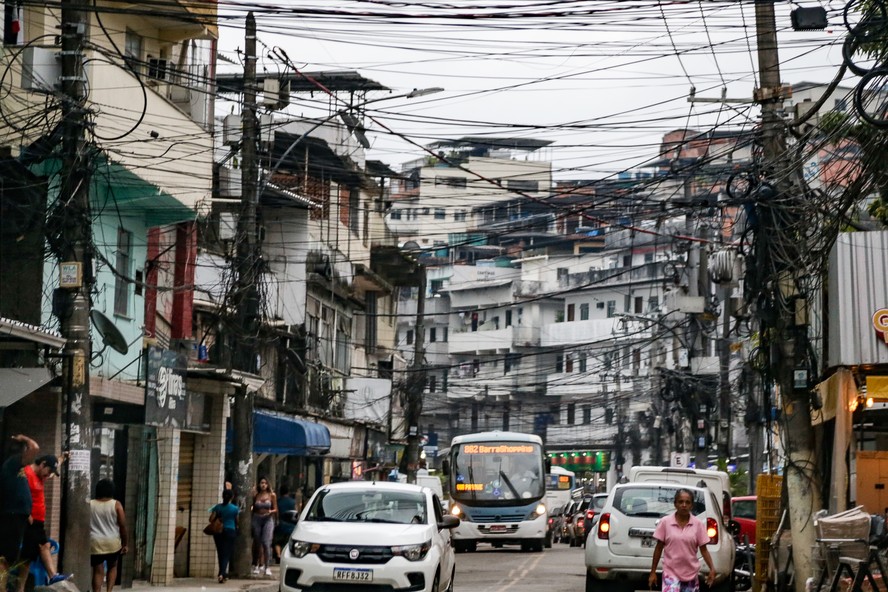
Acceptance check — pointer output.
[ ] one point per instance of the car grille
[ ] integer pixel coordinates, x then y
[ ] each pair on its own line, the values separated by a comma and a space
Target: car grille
366, 555
503, 517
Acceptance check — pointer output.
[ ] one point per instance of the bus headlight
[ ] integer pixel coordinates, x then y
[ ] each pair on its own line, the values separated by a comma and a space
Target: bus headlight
539, 510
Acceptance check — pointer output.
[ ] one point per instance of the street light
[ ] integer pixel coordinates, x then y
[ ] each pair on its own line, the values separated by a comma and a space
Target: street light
351, 123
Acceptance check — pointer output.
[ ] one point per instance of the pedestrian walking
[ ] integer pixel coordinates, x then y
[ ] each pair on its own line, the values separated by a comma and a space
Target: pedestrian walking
15, 507
679, 536
35, 544
107, 535
284, 528
264, 510
226, 512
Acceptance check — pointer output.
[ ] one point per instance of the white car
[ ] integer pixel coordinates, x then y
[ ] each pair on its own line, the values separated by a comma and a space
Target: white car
620, 548
378, 533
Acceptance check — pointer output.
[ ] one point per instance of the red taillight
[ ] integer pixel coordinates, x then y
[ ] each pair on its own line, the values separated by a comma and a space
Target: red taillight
712, 530
590, 514
604, 526
551, 520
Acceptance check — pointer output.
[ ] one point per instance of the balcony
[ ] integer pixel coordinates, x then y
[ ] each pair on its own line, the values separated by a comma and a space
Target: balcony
526, 336
474, 342
592, 331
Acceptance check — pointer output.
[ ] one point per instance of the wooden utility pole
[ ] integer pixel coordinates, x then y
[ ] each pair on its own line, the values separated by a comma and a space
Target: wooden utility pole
415, 382
75, 261
802, 481
244, 335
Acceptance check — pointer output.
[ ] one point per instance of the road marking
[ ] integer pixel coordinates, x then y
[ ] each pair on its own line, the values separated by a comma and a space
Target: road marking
522, 576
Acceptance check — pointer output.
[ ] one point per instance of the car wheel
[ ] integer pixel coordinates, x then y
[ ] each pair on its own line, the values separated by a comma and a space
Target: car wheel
538, 547
594, 584
573, 542
436, 582
548, 543
727, 585
472, 546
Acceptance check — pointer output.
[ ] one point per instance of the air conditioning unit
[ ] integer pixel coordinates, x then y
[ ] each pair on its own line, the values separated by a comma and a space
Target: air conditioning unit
180, 95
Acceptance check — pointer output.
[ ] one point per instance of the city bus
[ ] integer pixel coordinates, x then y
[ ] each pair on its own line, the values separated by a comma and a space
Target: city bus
497, 484
559, 485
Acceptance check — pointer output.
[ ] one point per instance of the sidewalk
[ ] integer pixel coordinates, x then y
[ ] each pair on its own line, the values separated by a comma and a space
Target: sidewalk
254, 584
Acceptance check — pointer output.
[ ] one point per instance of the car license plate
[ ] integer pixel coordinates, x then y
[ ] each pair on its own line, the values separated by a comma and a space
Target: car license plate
352, 574
648, 542
497, 528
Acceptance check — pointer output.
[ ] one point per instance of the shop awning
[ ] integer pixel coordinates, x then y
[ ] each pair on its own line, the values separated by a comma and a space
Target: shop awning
275, 433
17, 383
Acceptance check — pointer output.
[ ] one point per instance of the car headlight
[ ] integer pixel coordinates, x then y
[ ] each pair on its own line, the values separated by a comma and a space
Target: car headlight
412, 552
300, 549
538, 511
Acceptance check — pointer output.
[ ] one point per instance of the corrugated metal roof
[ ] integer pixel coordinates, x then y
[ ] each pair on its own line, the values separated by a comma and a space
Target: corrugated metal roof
858, 288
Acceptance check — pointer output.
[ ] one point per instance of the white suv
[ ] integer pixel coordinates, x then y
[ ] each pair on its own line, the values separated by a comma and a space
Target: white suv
620, 547
361, 533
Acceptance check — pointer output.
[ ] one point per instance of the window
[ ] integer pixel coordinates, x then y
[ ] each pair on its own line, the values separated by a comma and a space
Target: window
653, 304
587, 414
124, 272
571, 413
582, 363
611, 308
433, 383
561, 273
639, 305
522, 185
444, 383
511, 362
444, 337
132, 51
571, 308
508, 318
648, 257
354, 211
506, 420
584, 311
440, 214
433, 335
409, 337
627, 260
569, 363
436, 286
370, 317
559, 363
457, 182
425, 211
636, 360
599, 305
459, 216
396, 215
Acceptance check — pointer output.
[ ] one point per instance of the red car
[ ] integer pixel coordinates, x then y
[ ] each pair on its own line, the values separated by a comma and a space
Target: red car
743, 510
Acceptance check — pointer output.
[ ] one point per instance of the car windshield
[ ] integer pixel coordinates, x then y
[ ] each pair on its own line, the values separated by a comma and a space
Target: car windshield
378, 505
654, 501
598, 501
495, 471
744, 509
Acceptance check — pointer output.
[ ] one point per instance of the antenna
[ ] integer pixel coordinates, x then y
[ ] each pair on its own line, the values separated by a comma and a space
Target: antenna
111, 335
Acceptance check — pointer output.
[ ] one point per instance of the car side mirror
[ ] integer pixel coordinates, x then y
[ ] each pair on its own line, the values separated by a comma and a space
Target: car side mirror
449, 522
291, 516
734, 527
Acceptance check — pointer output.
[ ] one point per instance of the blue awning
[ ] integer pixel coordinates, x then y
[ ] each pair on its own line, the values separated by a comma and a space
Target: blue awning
275, 433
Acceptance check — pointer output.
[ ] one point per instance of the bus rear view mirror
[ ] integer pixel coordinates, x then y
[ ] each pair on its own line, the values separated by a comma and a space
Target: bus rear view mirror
445, 466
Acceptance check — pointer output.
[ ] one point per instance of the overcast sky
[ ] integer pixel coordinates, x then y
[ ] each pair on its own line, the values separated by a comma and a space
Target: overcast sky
603, 80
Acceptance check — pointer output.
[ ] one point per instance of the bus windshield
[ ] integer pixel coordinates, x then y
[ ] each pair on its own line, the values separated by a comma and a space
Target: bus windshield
497, 471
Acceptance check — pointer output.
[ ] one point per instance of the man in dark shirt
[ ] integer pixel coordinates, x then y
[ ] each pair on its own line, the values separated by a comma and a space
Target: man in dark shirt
15, 500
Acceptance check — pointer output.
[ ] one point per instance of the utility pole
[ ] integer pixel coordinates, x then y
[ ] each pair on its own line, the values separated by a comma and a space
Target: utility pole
801, 478
244, 336
75, 256
416, 381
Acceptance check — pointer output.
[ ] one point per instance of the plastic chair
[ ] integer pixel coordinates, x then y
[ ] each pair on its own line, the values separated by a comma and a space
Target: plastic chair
41, 578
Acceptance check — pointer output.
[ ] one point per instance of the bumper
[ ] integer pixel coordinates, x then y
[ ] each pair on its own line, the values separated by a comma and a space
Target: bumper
502, 531
309, 572
602, 565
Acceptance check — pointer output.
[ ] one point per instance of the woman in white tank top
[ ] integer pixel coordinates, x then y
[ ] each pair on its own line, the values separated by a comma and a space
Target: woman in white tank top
107, 535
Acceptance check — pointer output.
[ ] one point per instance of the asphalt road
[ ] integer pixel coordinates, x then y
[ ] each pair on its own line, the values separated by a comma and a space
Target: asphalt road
559, 569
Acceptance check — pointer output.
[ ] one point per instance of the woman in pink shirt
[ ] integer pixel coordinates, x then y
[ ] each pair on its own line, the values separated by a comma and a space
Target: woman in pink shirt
679, 536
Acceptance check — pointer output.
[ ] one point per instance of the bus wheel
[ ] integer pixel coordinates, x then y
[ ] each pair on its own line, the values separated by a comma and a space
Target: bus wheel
472, 546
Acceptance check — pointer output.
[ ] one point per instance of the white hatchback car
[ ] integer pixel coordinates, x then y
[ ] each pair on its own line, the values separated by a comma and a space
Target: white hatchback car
620, 548
376, 533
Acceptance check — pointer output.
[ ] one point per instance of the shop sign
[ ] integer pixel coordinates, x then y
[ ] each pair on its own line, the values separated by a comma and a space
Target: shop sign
165, 394
880, 323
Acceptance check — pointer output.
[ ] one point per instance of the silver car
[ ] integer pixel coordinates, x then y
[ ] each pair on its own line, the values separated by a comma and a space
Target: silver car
620, 548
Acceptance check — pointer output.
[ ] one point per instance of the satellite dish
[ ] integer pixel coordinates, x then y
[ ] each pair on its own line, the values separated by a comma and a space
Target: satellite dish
111, 335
